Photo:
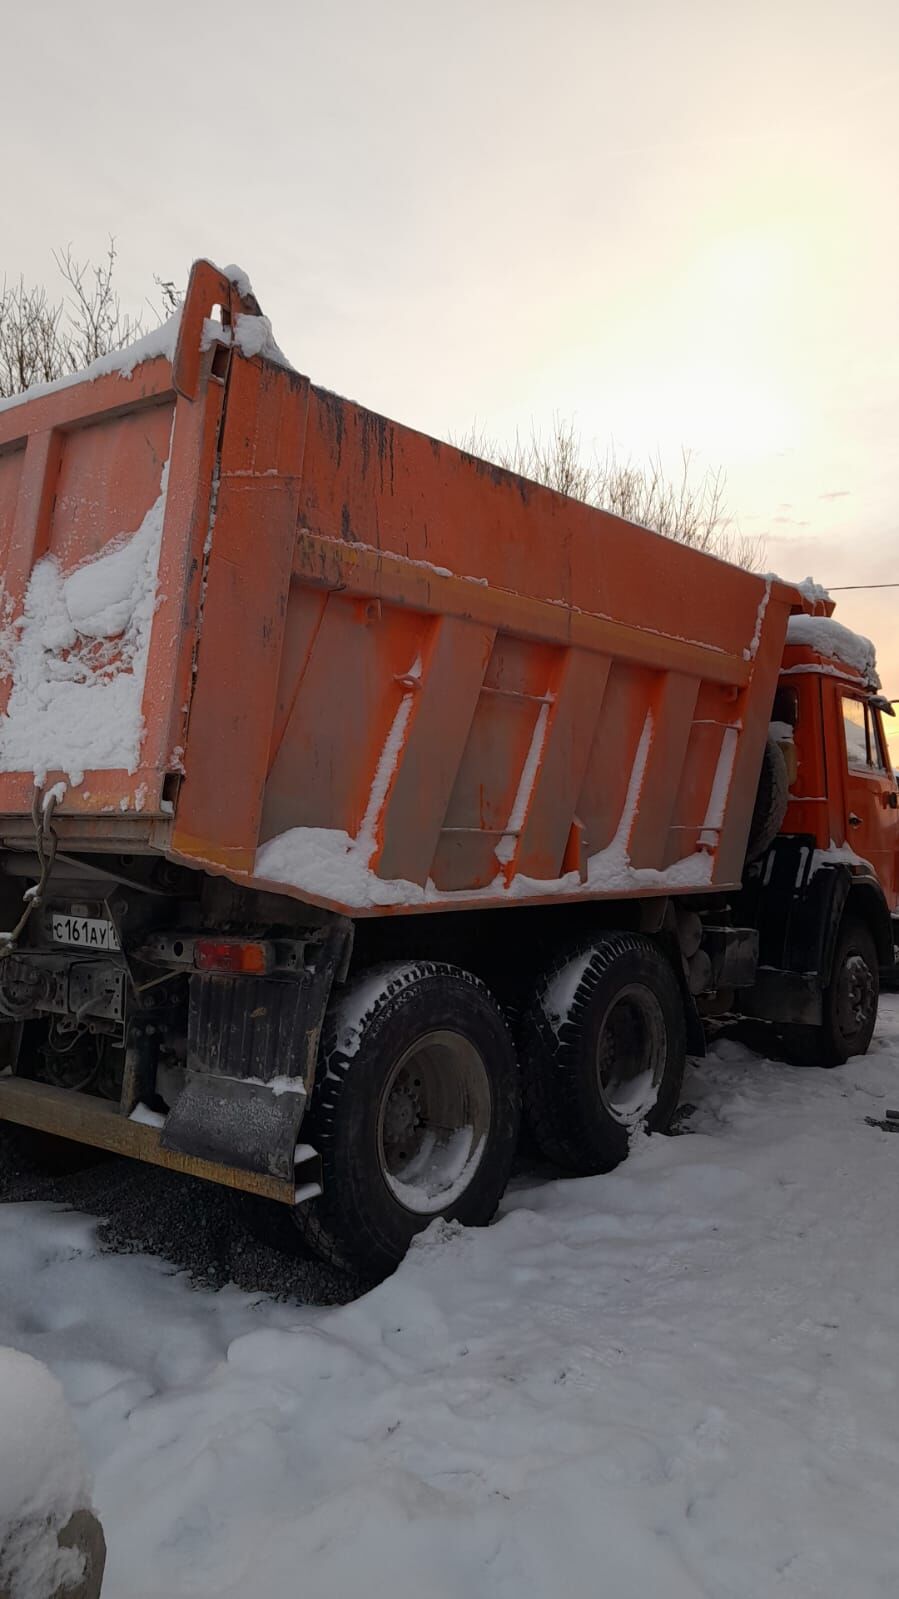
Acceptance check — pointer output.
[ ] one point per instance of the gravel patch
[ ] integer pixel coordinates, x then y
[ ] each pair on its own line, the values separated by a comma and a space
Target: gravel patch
198, 1227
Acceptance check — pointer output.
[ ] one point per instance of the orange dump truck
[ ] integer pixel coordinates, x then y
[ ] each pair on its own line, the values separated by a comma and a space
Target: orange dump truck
355, 792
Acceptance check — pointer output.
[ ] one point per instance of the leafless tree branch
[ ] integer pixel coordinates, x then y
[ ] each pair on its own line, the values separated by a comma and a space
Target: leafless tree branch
42, 339
690, 507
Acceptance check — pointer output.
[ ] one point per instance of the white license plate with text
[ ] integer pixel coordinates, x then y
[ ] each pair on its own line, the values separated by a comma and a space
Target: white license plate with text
86, 932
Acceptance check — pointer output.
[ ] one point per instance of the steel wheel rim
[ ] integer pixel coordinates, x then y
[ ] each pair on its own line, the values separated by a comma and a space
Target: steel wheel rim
630, 1054
433, 1119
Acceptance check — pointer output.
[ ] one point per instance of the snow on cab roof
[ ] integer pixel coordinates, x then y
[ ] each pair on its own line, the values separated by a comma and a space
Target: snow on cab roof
837, 643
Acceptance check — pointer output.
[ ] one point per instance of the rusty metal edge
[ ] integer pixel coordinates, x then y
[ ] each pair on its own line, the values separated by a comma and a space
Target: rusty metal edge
68, 1114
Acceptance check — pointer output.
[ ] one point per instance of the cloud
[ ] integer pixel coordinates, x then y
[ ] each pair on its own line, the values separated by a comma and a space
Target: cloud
835, 494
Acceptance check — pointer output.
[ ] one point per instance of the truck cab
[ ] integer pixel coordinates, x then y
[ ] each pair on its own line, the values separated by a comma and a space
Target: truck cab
843, 791
824, 895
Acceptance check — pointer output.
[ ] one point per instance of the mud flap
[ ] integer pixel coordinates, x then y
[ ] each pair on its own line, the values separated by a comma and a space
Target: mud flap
237, 1122
252, 1046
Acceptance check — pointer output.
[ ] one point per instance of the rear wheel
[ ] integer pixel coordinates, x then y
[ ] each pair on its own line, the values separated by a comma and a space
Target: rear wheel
415, 1113
604, 1052
850, 1003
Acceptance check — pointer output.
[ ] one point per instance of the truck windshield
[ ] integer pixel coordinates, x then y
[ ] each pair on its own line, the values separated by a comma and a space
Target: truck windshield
862, 740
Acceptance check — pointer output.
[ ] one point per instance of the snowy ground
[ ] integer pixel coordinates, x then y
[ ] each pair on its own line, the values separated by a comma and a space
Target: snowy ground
677, 1380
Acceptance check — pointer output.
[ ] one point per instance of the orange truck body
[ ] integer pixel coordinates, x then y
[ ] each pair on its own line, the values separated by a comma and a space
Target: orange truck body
434, 684
277, 675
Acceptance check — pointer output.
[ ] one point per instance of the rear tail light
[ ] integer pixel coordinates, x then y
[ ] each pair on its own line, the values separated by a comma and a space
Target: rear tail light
233, 955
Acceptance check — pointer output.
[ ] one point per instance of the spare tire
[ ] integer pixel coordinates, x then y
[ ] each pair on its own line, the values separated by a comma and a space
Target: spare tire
772, 797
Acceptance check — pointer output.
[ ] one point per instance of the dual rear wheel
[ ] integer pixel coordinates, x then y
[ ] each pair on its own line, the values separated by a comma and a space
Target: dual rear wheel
419, 1087
603, 1052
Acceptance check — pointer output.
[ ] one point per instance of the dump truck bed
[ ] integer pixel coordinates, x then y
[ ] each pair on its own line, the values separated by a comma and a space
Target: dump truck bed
257, 628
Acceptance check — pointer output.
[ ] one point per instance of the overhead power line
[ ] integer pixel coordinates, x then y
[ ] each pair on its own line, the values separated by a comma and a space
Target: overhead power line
847, 588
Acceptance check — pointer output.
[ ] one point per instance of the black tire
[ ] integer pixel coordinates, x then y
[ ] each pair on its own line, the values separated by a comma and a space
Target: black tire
618, 995
397, 1021
850, 1003
771, 800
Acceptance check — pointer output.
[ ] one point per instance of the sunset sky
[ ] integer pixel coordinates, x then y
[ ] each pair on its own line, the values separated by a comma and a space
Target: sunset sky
677, 224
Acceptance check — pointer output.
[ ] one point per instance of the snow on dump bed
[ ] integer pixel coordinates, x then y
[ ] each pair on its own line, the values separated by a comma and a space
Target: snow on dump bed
836, 643
677, 1381
160, 341
42, 1479
78, 658
252, 336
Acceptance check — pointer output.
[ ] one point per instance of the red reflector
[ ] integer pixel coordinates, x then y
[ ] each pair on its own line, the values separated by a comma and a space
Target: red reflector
230, 955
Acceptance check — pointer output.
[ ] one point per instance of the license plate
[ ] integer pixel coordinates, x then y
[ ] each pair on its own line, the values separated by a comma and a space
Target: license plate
86, 931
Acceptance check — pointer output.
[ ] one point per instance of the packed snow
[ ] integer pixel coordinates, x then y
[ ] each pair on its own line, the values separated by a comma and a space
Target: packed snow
837, 643
43, 1479
78, 658
678, 1379
814, 593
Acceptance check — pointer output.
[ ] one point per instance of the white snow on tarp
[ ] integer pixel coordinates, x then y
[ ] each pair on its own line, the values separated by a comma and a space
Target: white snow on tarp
43, 1479
78, 658
837, 643
677, 1380
160, 341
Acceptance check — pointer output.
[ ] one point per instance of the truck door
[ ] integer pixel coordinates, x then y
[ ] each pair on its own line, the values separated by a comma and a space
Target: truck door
872, 802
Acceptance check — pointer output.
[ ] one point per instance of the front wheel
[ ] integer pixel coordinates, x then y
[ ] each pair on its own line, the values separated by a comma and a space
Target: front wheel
849, 1003
415, 1112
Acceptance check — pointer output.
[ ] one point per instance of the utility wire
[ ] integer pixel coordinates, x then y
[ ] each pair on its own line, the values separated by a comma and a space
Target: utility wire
855, 588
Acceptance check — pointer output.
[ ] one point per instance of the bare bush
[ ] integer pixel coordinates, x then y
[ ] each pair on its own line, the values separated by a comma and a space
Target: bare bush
42, 339
690, 507
31, 342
